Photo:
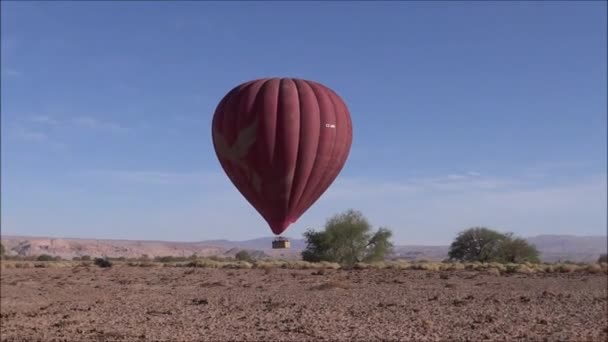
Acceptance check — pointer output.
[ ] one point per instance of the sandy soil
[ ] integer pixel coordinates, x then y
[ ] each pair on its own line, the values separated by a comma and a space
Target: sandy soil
184, 304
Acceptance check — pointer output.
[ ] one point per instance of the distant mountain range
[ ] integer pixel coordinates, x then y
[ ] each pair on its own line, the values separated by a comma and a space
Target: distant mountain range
552, 248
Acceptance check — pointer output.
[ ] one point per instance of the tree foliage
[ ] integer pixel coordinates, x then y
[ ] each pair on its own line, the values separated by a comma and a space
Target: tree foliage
2, 251
603, 258
347, 239
46, 257
103, 262
486, 245
243, 256
516, 250
475, 244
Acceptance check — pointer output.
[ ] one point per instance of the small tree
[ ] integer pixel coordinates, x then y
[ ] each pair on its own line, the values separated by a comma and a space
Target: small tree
347, 240
103, 262
379, 245
243, 256
603, 258
475, 244
2, 251
516, 250
486, 245
45, 257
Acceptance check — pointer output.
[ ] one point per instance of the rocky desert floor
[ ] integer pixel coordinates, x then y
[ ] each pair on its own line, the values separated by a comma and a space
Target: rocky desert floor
195, 304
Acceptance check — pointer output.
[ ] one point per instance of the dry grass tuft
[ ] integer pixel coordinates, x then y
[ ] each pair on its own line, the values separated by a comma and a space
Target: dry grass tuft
453, 266
476, 265
524, 269
330, 265
237, 265
266, 264
299, 265
426, 266
398, 265
361, 266
493, 271
566, 268
593, 268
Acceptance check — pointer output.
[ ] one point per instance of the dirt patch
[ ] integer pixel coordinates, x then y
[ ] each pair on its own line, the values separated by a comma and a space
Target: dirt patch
334, 284
171, 304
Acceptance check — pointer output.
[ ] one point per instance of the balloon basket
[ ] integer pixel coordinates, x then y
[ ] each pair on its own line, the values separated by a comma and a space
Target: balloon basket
280, 243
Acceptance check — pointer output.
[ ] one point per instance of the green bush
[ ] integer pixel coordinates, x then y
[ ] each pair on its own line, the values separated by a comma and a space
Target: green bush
516, 250
103, 262
347, 240
244, 256
480, 244
169, 258
46, 257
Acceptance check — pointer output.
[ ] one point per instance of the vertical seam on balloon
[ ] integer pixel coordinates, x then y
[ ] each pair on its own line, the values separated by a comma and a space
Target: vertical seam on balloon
348, 135
227, 165
313, 194
346, 117
297, 206
276, 125
315, 162
298, 151
326, 175
238, 109
255, 102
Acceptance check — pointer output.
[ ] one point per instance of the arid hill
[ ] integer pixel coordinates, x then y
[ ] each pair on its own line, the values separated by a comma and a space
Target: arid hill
552, 247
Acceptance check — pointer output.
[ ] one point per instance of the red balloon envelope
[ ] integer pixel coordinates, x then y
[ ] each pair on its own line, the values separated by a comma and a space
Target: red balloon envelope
282, 142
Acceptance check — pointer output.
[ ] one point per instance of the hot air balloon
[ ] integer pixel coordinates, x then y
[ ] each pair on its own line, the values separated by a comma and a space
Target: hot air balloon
281, 142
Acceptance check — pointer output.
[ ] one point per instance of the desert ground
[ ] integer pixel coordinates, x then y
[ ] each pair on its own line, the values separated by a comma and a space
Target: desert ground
186, 304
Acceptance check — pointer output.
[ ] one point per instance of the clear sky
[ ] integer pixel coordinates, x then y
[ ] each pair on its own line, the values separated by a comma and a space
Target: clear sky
464, 114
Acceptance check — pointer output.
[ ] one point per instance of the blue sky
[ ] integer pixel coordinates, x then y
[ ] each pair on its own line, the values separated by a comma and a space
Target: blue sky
464, 114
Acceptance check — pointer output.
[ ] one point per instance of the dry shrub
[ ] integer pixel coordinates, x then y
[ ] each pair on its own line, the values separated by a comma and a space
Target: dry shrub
475, 265
203, 263
426, 266
329, 265
398, 265
510, 268
265, 264
594, 268
547, 268
298, 265
480, 266
376, 265
149, 264
524, 269
493, 271
361, 266
60, 264
332, 284
566, 268
237, 265
454, 266
144, 264
496, 265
